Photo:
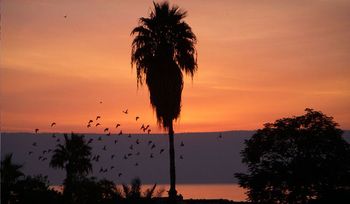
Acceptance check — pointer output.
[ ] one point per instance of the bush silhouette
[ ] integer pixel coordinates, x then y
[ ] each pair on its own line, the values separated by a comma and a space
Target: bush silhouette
302, 159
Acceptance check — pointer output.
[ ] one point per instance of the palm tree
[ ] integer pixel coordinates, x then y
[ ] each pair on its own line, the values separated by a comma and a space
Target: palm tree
74, 157
163, 48
10, 173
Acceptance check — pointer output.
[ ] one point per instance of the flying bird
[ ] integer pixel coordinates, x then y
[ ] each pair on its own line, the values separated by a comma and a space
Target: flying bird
108, 134
30, 152
138, 153
148, 131
90, 121
53, 124
106, 130
161, 151
126, 111
112, 156
53, 135
120, 174
131, 147
36, 130
182, 144
129, 135
34, 144
120, 133
142, 127
181, 157
88, 125
58, 140
149, 142
220, 136
153, 146
112, 167
151, 156
117, 125
99, 138
65, 16
97, 124
137, 117
98, 117
104, 148
136, 164
137, 141
115, 141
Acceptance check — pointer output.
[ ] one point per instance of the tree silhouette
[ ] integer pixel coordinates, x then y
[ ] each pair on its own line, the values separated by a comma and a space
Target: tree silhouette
163, 48
74, 157
302, 159
133, 193
10, 173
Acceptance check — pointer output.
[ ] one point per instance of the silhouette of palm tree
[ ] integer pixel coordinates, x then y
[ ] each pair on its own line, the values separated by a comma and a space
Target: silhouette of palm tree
163, 48
10, 173
74, 157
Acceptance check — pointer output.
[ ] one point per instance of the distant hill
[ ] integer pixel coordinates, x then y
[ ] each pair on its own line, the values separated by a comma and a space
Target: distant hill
207, 158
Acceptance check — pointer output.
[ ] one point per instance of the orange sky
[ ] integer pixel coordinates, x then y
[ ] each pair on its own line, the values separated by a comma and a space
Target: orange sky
258, 61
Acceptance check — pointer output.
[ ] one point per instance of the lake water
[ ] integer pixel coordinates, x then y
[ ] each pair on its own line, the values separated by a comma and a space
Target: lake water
201, 191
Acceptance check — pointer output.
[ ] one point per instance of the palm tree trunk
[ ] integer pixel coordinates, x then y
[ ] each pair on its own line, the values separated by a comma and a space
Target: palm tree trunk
172, 190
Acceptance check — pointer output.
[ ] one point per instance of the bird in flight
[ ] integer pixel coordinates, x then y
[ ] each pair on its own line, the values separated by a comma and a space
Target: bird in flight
126, 111
220, 136
100, 102
30, 152
148, 131
149, 142
182, 144
36, 130
129, 136
137, 141
131, 147
151, 156
136, 164
106, 130
120, 174
88, 125
181, 157
115, 141
142, 127
137, 117
65, 16
104, 148
120, 133
117, 125
99, 138
90, 140
53, 135
34, 144
97, 124
53, 124
90, 121
98, 117
108, 134
161, 151
153, 146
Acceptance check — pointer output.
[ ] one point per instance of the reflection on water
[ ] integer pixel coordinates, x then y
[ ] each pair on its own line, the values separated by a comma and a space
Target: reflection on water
209, 191
201, 191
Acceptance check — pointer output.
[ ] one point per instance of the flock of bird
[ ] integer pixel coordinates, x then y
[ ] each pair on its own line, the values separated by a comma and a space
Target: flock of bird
133, 153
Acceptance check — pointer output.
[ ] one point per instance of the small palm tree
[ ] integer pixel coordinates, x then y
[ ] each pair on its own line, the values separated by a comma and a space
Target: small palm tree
74, 157
10, 173
163, 48
133, 191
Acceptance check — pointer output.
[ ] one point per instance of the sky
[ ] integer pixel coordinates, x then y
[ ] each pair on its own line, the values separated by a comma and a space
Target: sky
258, 61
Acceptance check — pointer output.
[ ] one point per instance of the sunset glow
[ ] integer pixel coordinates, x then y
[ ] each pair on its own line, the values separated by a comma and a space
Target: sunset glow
257, 61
